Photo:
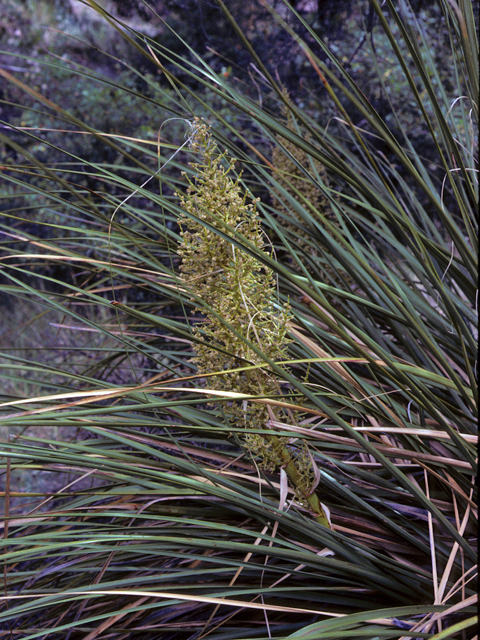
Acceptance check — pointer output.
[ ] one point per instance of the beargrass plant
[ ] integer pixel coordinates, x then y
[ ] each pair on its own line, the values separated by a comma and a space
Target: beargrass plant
255, 335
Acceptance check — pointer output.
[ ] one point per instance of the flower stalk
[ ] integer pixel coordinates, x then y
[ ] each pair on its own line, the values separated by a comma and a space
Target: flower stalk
237, 287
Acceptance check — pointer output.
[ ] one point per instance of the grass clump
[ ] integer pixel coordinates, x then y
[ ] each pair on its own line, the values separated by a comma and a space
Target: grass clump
337, 370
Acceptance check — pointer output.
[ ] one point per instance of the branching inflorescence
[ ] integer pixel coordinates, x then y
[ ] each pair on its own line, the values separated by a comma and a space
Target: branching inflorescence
289, 164
241, 310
